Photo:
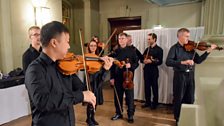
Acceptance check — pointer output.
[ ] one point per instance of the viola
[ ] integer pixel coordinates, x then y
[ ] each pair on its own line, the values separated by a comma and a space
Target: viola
128, 77
202, 46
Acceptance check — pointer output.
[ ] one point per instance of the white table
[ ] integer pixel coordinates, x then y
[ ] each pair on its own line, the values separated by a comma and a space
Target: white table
14, 103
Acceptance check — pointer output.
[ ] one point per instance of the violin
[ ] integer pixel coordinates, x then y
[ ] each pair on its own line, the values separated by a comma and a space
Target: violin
72, 63
202, 46
128, 77
96, 58
93, 62
151, 58
148, 56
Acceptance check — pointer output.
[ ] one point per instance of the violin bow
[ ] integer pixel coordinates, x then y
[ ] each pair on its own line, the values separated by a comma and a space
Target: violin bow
108, 41
118, 101
84, 61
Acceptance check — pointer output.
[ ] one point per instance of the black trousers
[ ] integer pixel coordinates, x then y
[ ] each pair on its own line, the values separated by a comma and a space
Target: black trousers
151, 82
183, 90
129, 93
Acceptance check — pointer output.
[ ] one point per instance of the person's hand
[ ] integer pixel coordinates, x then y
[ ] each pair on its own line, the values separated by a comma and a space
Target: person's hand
188, 62
128, 65
89, 97
111, 82
108, 62
147, 61
213, 46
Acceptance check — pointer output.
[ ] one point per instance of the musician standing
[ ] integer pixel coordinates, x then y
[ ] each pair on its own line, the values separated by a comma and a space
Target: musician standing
122, 53
52, 94
183, 63
96, 81
153, 57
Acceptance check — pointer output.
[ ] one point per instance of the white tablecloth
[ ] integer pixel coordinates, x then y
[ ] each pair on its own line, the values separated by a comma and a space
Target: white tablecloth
14, 103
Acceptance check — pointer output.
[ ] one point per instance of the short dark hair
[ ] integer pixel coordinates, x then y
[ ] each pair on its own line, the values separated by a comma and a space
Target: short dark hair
181, 30
154, 36
51, 30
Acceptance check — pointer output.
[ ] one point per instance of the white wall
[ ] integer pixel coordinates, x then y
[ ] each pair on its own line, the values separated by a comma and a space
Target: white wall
188, 15
16, 17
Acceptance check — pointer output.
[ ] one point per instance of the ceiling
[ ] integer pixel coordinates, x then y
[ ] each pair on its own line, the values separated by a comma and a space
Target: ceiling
172, 2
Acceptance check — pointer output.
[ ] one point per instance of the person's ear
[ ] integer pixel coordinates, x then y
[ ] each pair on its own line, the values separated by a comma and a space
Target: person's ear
53, 43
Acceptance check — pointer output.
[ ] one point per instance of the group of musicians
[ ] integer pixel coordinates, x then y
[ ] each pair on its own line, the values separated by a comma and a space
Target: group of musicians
52, 94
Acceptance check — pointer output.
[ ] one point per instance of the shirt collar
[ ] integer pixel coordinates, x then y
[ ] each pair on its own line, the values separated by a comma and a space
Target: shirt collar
46, 58
33, 49
179, 45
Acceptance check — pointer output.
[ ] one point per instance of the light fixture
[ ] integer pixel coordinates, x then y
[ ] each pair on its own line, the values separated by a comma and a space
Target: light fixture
157, 27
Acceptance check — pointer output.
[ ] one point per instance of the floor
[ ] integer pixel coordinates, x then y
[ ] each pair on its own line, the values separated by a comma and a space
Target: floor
162, 116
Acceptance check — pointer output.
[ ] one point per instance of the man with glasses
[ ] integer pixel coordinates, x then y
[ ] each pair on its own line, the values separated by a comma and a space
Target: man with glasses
35, 47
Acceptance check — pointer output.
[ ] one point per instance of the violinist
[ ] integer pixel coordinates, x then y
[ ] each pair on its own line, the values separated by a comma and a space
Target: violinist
122, 53
96, 82
183, 63
52, 94
100, 45
153, 57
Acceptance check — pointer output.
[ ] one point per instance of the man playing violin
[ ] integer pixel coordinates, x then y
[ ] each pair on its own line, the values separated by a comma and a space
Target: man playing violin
123, 53
153, 57
96, 81
183, 63
52, 94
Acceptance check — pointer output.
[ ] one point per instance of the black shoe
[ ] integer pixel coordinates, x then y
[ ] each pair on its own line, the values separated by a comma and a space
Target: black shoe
95, 122
116, 117
130, 119
145, 105
89, 122
153, 107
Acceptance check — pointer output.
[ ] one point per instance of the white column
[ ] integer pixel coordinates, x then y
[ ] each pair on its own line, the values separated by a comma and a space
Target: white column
213, 20
87, 20
6, 57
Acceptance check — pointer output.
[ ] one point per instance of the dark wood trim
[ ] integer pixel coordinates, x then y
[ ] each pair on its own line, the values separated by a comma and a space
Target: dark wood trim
124, 18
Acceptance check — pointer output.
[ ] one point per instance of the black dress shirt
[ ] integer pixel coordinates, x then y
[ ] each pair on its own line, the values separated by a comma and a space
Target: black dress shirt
28, 56
52, 94
157, 53
178, 53
122, 54
138, 53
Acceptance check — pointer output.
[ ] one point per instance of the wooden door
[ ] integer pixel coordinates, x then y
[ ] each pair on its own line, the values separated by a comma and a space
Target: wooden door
122, 24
